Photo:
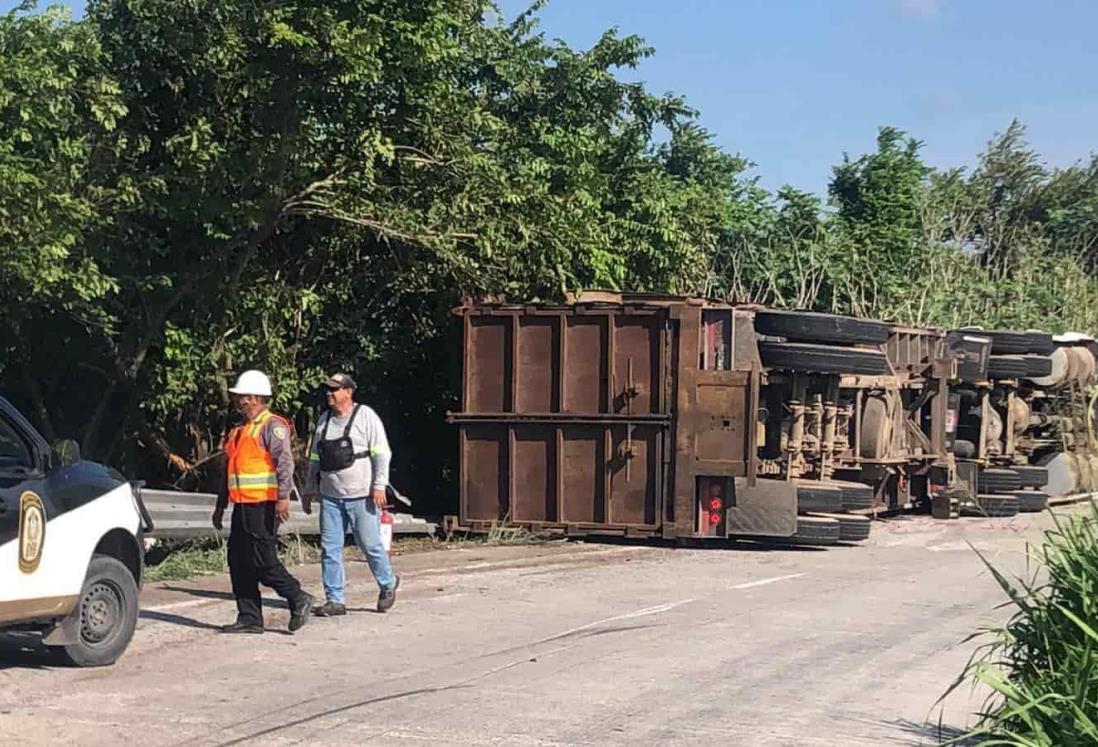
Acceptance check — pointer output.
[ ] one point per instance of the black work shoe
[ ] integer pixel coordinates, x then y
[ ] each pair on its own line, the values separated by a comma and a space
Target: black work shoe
241, 627
387, 598
299, 614
330, 609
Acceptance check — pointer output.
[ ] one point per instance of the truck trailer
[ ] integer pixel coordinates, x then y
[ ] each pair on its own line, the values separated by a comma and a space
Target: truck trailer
689, 418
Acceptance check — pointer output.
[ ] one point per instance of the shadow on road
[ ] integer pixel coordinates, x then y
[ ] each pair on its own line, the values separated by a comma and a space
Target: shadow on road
272, 602
25, 651
186, 622
934, 733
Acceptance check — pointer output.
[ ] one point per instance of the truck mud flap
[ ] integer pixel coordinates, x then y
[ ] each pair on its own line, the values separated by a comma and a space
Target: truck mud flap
766, 509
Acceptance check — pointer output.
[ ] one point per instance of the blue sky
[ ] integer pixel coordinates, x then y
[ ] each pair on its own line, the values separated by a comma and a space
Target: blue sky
792, 85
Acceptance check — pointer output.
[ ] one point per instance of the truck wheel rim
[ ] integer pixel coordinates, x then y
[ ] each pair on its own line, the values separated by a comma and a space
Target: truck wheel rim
100, 612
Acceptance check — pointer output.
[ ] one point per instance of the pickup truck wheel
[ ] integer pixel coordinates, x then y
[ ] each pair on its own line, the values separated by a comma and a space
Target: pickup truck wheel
807, 326
823, 359
106, 614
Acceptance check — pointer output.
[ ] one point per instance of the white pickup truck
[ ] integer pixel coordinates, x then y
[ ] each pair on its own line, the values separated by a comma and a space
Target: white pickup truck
71, 546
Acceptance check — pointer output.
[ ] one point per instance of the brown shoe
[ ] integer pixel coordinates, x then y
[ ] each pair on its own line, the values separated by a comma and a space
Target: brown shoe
330, 609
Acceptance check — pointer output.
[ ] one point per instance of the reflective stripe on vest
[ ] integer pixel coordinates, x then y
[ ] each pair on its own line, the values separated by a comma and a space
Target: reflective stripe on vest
252, 474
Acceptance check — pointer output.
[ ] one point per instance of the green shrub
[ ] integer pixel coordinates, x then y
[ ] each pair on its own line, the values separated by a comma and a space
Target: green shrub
1042, 666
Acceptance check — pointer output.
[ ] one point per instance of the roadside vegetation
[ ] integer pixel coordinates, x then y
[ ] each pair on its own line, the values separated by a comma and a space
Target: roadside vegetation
1042, 665
182, 559
191, 189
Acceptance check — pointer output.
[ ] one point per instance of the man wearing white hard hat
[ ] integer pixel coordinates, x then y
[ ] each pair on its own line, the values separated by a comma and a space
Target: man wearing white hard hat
260, 479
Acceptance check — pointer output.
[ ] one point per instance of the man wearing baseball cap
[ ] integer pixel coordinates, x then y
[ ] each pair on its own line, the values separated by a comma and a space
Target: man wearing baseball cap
349, 469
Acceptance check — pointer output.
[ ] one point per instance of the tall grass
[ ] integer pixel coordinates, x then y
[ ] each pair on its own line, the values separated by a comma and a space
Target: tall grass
1042, 666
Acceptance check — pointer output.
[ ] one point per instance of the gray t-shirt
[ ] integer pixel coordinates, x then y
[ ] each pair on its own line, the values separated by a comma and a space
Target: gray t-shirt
368, 437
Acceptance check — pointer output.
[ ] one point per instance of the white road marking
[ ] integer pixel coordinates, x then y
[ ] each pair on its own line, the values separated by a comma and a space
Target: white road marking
765, 581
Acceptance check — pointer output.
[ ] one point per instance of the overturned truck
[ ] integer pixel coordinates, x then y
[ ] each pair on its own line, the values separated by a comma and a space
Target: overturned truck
688, 418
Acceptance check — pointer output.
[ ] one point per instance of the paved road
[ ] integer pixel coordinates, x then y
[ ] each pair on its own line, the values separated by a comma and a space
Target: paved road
582, 644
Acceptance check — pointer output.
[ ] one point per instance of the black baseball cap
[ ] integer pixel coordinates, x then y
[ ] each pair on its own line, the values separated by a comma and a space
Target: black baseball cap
340, 381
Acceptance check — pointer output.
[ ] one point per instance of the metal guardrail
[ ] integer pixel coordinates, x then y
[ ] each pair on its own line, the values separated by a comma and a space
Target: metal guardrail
188, 515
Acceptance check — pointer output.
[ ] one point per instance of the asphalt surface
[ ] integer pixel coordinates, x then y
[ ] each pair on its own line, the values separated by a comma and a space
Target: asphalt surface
560, 645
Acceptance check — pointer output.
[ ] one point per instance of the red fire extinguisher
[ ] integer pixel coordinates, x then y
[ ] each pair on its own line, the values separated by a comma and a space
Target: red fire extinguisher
387, 531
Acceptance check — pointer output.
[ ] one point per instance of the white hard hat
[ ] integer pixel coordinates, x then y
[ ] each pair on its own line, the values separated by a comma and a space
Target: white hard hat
252, 382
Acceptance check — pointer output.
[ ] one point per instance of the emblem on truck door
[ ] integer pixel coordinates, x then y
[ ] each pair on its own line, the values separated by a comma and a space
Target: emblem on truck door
32, 531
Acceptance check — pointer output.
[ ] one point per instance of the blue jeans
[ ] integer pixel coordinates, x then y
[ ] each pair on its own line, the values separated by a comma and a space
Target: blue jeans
361, 516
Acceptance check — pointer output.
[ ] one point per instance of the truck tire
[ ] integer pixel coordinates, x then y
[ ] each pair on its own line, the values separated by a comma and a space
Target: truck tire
998, 505
825, 359
997, 480
1007, 367
812, 530
106, 614
1031, 476
1031, 501
1058, 363
991, 506
1038, 366
1040, 343
1014, 342
806, 326
819, 497
856, 496
852, 528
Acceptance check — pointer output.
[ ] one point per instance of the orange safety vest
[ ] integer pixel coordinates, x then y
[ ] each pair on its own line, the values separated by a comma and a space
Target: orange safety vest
252, 474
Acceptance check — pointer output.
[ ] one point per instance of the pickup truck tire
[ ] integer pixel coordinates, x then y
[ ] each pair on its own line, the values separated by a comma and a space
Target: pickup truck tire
106, 614
1031, 501
1032, 476
995, 480
824, 359
806, 326
819, 497
1007, 367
